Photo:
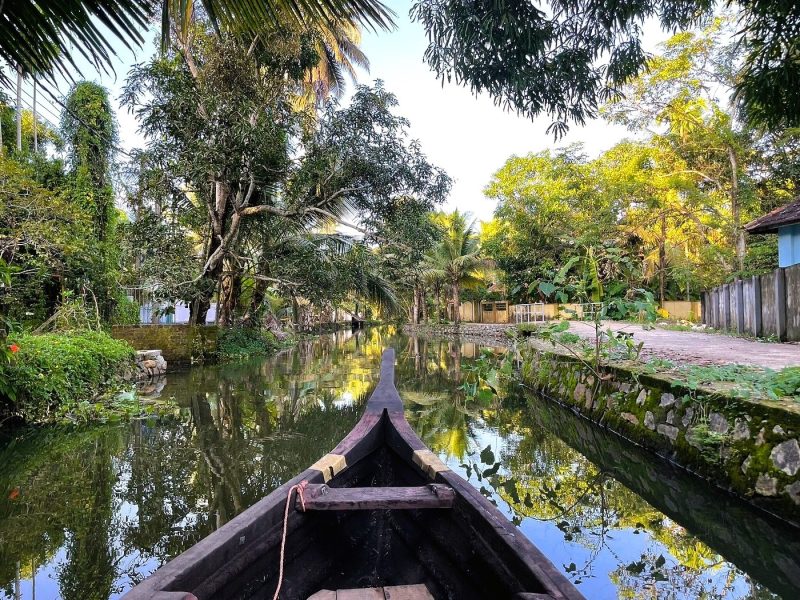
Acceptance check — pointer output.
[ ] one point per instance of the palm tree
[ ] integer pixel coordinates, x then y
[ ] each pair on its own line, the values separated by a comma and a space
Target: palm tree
41, 37
337, 45
455, 260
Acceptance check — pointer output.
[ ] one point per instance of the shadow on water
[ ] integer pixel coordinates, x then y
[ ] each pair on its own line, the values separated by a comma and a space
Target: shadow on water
86, 512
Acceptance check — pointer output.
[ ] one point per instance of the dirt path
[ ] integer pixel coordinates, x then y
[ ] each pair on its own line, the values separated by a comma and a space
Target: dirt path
702, 348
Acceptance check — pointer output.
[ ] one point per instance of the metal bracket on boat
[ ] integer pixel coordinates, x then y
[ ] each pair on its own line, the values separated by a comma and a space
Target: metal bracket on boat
429, 462
330, 465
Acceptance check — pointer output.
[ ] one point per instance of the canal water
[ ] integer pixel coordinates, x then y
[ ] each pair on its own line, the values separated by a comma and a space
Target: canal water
87, 512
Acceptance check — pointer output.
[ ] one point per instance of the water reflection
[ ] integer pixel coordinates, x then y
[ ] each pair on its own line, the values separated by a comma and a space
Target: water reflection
90, 511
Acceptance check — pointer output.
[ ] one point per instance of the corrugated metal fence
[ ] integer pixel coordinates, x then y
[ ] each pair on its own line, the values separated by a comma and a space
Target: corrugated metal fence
762, 305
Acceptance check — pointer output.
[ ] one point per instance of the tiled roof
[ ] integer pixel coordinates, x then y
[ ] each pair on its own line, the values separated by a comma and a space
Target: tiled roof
769, 223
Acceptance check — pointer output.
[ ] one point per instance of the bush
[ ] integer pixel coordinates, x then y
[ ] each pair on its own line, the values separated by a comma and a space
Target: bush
243, 342
56, 371
126, 311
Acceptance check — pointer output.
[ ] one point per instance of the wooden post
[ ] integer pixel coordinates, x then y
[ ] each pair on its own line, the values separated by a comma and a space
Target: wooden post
780, 303
758, 320
702, 308
739, 306
712, 308
726, 307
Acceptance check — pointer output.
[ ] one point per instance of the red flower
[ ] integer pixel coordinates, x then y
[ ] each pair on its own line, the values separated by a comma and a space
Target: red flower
14, 494
14, 348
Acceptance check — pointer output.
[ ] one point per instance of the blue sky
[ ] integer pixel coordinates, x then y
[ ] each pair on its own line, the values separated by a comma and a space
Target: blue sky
468, 136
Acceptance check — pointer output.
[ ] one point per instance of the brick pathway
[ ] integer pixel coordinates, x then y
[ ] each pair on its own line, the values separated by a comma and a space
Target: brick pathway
702, 348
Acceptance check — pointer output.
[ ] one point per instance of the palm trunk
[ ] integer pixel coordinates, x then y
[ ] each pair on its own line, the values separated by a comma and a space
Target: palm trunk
738, 232
19, 109
415, 307
662, 258
424, 306
456, 303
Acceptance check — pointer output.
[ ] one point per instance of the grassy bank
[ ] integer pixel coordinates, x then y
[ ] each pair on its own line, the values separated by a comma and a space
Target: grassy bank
54, 374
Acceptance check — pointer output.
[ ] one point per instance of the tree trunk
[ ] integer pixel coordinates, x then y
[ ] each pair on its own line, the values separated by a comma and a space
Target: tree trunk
424, 306
662, 258
35, 124
256, 299
295, 311
736, 210
415, 307
230, 284
456, 303
19, 109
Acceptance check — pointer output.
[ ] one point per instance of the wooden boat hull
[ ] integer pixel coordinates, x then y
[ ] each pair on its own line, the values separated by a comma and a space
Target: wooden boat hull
464, 551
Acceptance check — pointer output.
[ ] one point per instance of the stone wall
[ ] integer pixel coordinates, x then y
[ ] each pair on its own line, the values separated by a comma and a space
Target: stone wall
748, 447
745, 536
180, 345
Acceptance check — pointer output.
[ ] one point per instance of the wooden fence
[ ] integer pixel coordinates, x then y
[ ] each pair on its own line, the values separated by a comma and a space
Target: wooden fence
763, 306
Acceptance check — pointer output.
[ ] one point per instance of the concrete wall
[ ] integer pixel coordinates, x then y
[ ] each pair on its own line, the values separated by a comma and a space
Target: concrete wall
472, 312
683, 309
179, 344
768, 313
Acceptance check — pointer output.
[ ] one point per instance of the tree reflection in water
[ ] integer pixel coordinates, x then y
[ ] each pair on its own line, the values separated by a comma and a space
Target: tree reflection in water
92, 510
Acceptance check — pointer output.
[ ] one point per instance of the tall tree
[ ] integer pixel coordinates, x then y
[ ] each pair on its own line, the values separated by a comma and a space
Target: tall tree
456, 259
221, 125
88, 127
676, 99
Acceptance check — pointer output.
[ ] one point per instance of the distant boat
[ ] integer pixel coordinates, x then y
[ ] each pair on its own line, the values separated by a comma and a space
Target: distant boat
380, 517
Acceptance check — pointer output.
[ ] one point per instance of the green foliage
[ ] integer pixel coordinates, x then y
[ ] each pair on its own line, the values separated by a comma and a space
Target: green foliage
48, 40
54, 373
638, 305
236, 343
262, 205
785, 382
126, 311
564, 59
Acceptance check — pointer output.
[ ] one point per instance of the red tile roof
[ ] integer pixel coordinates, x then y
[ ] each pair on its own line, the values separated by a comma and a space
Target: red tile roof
780, 217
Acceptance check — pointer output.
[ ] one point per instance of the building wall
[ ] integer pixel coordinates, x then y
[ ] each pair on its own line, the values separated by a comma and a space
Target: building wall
789, 245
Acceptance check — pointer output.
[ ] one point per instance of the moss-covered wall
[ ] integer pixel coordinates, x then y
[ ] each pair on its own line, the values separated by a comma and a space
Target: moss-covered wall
749, 447
744, 535
179, 344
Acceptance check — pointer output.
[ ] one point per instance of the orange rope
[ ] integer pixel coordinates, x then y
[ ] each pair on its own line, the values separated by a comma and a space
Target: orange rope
299, 488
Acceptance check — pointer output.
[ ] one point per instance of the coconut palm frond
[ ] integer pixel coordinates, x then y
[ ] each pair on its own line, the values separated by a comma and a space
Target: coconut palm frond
43, 37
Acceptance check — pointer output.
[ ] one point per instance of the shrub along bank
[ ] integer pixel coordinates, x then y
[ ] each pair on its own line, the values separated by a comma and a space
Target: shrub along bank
52, 374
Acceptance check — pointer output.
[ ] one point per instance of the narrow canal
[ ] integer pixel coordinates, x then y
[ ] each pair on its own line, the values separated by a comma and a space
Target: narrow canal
87, 512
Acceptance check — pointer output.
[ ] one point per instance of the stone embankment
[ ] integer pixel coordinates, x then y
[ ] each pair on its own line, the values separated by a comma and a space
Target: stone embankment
150, 364
748, 446
486, 334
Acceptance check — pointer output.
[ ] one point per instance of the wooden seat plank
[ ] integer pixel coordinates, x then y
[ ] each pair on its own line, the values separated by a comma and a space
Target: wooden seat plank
407, 592
361, 594
322, 497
